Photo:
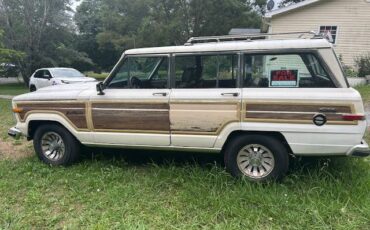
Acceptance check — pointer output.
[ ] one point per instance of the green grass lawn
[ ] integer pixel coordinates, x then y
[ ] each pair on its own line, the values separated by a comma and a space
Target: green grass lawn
160, 190
13, 89
365, 92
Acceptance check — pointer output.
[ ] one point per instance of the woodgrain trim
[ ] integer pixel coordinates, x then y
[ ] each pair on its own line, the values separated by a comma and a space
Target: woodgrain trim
130, 116
74, 113
295, 112
195, 107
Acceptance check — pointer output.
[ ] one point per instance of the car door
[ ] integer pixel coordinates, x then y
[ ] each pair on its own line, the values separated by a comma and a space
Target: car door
40, 81
47, 78
134, 109
204, 99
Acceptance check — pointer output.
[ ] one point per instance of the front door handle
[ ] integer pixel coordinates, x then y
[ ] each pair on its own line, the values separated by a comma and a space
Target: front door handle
230, 94
160, 94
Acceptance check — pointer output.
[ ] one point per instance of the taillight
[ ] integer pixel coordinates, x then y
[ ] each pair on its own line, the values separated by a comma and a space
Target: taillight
353, 117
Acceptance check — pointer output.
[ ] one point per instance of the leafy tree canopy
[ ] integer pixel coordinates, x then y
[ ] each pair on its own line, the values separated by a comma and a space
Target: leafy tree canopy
108, 27
38, 28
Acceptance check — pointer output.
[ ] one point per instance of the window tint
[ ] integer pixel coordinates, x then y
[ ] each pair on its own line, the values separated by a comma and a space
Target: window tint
285, 71
47, 73
141, 72
206, 71
39, 74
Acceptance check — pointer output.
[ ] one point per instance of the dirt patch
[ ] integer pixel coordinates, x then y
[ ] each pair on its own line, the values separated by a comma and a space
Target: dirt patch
14, 151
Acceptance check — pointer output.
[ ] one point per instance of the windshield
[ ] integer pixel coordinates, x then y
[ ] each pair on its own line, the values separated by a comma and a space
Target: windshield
70, 73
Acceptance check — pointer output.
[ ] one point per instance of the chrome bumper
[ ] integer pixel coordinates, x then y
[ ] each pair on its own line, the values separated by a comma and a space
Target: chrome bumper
361, 150
15, 133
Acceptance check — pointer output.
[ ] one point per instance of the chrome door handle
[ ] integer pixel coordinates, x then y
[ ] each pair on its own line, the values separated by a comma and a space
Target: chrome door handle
160, 94
230, 94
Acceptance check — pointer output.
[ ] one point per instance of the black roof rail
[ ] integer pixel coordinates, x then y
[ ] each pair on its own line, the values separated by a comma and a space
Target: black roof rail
250, 37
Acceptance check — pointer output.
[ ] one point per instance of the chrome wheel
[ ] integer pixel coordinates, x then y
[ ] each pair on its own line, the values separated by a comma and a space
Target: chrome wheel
52, 146
255, 161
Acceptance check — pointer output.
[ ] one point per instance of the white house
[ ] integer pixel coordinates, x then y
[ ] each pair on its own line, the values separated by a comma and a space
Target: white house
347, 20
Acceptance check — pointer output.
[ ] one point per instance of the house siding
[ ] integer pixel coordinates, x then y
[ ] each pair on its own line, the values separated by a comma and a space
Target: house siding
351, 17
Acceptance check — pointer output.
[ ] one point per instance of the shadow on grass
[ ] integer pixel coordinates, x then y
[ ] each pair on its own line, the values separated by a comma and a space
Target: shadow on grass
136, 157
300, 167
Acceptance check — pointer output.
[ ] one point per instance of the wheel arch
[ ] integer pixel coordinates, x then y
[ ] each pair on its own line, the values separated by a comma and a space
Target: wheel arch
34, 122
277, 135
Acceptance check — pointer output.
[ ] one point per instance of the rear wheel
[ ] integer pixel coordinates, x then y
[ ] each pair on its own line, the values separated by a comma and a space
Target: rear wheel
256, 157
55, 145
32, 88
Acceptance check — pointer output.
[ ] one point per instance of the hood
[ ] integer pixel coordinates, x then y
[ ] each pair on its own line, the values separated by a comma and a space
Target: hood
76, 79
58, 92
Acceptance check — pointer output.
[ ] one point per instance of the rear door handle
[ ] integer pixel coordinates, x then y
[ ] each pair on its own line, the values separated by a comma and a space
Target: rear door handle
160, 94
230, 94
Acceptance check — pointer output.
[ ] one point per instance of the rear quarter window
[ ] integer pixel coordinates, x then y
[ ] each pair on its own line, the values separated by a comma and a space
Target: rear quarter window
284, 71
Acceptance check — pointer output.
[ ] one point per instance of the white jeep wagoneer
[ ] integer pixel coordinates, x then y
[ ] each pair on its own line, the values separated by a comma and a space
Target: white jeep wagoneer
254, 101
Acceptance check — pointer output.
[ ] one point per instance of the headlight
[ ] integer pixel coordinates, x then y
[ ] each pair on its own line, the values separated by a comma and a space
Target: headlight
65, 82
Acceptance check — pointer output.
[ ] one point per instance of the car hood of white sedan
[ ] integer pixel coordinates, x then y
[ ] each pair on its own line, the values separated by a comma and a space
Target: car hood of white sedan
76, 79
58, 92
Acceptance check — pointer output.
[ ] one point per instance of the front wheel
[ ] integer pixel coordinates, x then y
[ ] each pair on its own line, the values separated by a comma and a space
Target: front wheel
55, 145
256, 157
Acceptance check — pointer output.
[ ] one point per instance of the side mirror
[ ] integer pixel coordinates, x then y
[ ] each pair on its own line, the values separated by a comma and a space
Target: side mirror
47, 77
100, 88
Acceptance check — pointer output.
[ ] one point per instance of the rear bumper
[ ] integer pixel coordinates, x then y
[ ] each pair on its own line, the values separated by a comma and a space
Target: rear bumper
361, 150
14, 133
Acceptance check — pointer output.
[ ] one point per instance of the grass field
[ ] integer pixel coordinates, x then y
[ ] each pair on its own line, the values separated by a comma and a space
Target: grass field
13, 89
158, 190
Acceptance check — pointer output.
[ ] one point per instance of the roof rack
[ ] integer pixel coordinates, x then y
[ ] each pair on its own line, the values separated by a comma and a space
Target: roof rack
250, 37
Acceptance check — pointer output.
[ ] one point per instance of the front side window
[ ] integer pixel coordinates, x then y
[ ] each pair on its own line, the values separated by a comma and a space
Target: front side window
39, 74
284, 71
142, 73
206, 71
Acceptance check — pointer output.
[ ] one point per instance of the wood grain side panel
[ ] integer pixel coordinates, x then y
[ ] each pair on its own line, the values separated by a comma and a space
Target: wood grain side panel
296, 108
202, 118
295, 113
130, 117
74, 112
292, 116
133, 105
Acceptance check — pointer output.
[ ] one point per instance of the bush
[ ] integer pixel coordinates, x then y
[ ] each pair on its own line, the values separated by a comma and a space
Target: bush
349, 71
363, 65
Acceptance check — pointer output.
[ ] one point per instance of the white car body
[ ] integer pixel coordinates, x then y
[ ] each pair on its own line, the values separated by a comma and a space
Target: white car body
204, 119
45, 81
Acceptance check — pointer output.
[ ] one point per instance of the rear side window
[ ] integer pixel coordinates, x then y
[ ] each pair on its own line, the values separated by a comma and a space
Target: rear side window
285, 71
206, 71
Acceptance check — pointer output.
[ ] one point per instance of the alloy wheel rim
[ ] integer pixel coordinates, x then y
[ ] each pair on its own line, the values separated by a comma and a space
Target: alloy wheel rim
52, 146
255, 161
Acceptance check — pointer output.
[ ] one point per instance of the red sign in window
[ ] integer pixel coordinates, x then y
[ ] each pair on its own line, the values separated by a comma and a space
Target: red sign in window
284, 78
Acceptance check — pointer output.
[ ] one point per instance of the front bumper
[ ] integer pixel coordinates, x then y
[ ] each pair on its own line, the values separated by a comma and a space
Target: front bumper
15, 133
361, 150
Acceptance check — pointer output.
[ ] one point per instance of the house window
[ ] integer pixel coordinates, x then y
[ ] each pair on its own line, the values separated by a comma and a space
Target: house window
333, 31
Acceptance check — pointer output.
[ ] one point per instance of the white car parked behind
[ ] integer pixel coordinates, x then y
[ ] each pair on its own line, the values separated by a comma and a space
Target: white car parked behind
56, 76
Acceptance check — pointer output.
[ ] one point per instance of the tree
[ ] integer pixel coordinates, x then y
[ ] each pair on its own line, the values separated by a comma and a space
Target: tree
7, 58
37, 28
285, 3
111, 26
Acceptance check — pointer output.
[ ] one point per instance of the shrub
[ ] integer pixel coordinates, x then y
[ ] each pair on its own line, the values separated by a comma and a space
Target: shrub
363, 65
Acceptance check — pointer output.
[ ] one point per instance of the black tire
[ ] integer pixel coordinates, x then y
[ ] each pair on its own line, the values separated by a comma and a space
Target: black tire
276, 148
32, 88
71, 145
